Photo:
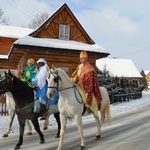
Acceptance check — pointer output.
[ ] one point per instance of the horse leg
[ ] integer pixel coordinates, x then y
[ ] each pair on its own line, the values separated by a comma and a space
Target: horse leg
102, 116
10, 121
37, 128
29, 127
63, 121
57, 117
46, 123
21, 128
80, 130
98, 132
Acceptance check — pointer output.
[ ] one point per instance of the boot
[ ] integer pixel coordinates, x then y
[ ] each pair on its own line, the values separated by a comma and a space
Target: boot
43, 112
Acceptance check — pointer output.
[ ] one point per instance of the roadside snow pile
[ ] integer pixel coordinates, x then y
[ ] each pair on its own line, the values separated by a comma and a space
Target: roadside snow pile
132, 104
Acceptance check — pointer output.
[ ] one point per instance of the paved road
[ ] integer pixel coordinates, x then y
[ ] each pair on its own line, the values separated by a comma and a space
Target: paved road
128, 131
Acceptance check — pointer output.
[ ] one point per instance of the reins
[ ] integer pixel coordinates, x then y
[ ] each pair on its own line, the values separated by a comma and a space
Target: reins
66, 88
6, 90
26, 106
79, 94
74, 86
75, 89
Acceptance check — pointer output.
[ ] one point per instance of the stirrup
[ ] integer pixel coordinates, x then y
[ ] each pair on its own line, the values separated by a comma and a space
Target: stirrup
43, 118
89, 110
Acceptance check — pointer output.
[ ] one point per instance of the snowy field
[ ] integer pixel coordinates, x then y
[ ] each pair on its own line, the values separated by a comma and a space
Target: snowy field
115, 110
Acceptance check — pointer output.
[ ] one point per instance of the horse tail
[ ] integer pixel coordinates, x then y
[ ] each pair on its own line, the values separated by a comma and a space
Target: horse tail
107, 110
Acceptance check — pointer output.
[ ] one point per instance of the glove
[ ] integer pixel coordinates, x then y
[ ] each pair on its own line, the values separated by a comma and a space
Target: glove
29, 80
35, 88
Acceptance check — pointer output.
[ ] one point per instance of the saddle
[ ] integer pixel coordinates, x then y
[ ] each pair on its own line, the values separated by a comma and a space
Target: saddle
93, 107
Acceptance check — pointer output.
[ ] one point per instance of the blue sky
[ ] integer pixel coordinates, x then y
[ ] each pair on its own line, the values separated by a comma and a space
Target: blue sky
122, 27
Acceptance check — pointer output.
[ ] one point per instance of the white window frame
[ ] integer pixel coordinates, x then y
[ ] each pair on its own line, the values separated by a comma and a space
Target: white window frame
64, 32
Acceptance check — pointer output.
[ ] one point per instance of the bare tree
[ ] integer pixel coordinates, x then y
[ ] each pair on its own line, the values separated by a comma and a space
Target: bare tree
38, 20
3, 20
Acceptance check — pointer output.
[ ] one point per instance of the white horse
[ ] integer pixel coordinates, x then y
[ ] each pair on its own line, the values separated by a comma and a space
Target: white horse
11, 111
71, 105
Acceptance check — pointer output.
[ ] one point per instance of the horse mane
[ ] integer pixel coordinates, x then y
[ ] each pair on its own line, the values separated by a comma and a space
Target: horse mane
22, 93
17, 81
65, 75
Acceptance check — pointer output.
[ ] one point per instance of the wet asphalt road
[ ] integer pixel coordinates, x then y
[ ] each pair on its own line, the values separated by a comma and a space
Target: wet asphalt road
128, 131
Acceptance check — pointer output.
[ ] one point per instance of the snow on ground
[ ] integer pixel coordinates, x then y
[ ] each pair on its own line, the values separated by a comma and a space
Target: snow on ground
114, 108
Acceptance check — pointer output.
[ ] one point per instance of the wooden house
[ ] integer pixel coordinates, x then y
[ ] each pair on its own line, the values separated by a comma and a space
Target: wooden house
8, 35
59, 40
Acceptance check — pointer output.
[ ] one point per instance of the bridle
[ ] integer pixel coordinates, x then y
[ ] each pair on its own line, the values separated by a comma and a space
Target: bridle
5, 89
57, 79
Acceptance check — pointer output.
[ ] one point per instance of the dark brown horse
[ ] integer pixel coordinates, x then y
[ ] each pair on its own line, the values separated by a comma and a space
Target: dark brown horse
24, 100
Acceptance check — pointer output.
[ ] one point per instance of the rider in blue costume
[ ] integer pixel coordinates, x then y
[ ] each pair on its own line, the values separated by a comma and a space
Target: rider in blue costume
40, 82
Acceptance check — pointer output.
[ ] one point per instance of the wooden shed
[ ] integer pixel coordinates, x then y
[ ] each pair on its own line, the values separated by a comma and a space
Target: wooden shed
59, 40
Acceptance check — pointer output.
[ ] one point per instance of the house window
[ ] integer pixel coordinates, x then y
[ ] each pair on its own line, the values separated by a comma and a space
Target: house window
64, 32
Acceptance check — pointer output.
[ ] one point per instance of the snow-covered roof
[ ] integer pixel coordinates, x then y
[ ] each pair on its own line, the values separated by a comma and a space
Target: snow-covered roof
14, 32
56, 43
3, 56
146, 72
118, 67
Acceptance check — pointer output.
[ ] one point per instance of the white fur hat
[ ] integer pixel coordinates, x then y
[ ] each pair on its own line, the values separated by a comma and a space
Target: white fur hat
41, 60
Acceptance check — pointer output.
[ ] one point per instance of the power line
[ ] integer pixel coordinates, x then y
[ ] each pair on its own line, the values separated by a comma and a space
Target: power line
37, 11
24, 8
20, 9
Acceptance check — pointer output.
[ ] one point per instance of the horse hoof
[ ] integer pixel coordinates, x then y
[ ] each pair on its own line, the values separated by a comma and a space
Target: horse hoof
82, 148
5, 135
29, 133
98, 137
45, 128
16, 147
59, 148
42, 141
57, 136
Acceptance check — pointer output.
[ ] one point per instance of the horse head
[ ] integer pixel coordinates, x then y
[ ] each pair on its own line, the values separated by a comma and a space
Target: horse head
6, 82
53, 80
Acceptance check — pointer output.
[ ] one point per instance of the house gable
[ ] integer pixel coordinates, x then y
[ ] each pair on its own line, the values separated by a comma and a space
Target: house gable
44, 42
64, 16
148, 77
